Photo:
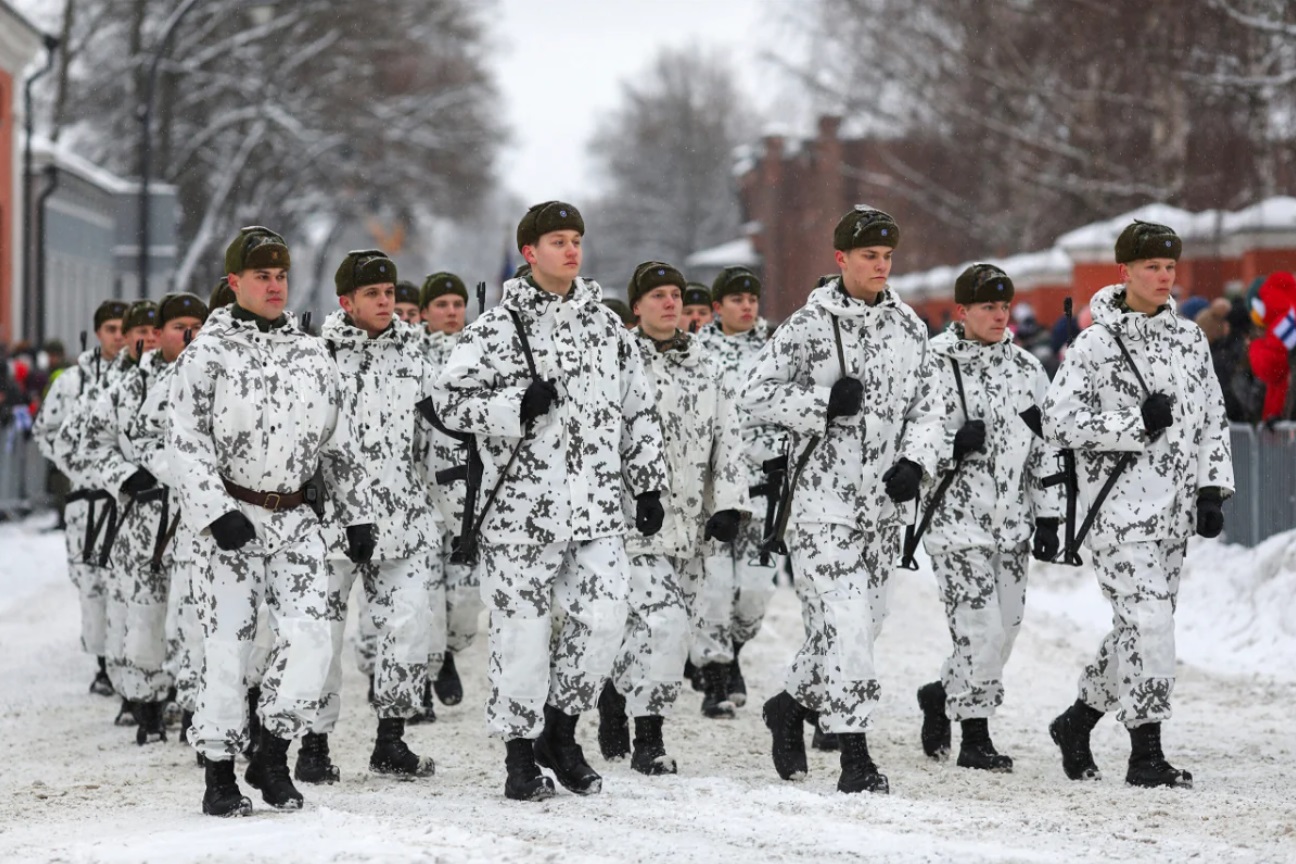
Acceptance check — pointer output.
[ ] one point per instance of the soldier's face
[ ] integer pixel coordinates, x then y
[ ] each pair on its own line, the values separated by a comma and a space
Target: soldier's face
985, 322
445, 314
737, 312
172, 336
695, 317
659, 311
865, 271
372, 307
140, 339
555, 257
261, 292
1148, 282
111, 338
408, 312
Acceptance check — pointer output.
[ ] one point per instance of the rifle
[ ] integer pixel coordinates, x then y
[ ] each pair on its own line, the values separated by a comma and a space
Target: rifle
481, 297
115, 525
773, 543
1066, 474
775, 471
912, 535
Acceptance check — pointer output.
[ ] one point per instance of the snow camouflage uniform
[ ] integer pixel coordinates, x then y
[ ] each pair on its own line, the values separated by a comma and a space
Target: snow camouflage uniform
846, 530
737, 588
704, 462
1142, 529
78, 386
979, 538
137, 591
381, 380
259, 409
554, 535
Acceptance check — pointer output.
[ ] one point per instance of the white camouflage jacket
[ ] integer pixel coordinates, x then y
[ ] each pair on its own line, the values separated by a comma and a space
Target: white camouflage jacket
74, 388
261, 410
381, 380
1093, 407
885, 347
996, 496
438, 346
441, 452
703, 446
736, 356
603, 429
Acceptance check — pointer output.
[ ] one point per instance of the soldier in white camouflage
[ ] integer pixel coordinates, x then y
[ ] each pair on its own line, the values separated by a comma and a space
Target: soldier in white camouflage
407, 304
851, 379
986, 505
1138, 401
384, 374
554, 389
739, 579
80, 385
697, 311
255, 406
706, 498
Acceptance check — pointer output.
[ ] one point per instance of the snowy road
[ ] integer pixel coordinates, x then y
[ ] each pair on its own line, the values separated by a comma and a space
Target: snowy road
75, 789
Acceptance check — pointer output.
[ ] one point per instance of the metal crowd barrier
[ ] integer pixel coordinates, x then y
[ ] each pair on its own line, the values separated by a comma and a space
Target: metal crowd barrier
23, 472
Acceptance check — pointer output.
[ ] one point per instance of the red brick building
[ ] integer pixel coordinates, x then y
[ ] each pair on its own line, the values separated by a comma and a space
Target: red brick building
19, 44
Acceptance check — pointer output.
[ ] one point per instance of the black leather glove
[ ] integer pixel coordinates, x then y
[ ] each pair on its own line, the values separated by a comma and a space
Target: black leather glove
970, 439
1210, 516
360, 543
902, 481
723, 526
1156, 412
1046, 539
846, 398
1034, 420
649, 513
537, 399
232, 531
138, 482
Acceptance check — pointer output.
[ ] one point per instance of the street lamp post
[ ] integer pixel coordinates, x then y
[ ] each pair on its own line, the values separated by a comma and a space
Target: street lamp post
146, 140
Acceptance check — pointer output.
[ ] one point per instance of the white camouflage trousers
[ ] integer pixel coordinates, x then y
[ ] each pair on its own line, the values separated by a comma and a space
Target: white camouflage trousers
845, 575
294, 586
136, 609
649, 669
88, 579
463, 599
525, 588
396, 604
184, 635
1133, 673
734, 596
984, 591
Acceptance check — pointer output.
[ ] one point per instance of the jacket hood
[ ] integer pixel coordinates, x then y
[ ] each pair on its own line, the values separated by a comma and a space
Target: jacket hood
950, 342
1108, 312
222, 323
338, 329
834, 299
759, 333
521, 295
687, 350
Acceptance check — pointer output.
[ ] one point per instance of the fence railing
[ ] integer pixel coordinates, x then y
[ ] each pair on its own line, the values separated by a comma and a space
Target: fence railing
1264, 470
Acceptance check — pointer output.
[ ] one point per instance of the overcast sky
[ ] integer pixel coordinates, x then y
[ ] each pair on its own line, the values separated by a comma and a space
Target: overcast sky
561, 63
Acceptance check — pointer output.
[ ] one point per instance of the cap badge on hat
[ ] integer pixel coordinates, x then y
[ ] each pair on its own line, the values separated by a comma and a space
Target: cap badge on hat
382, 268
449, 284
661, 272
884, 232
746, 283
562, 213
1000, 286
1169, 243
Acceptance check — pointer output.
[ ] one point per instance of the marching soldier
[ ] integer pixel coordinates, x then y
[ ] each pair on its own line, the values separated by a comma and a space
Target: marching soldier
407, 303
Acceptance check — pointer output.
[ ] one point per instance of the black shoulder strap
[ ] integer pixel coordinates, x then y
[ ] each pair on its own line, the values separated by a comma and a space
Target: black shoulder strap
526, 343
841, 356
958, 382
1130, 360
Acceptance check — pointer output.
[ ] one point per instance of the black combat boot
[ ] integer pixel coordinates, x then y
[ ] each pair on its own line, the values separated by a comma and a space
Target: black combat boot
186, 723
101, 685
392, 756
935, 726
826, 741
1147, 764
976, 750
524, 781
313, 762
693, 675
858, 773
557, 750
148, 722
171, 710
715, 698
268, 771
126, 714
737, 686
1070, 731
649, 750
784, 717
223, 797
614, 728
448, 687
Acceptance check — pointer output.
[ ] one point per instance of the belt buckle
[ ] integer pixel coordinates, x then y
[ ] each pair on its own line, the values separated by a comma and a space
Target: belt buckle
269, 506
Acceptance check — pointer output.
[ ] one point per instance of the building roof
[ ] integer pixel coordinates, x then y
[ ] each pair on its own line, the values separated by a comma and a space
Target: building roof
20, 40
738, 251
46, 151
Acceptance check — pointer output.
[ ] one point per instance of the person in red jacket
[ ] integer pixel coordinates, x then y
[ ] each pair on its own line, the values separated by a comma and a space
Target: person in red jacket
1273, 307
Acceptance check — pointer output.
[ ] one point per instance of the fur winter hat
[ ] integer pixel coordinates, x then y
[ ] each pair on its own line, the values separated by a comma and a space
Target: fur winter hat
697, 294
650, 275
407, 292
256, 247
545, 217
982, 283
621, 309
363, 267
109, 310
1142, 240
735, 279
181, 306
439, 285
221, 296
864, 226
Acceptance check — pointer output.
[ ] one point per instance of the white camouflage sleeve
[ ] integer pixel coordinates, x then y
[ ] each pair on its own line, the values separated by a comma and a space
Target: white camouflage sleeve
926, 440
55, 408
1069, 418
774, 394
728, 487
350, 488
1042, 462
468, 394
1215, 453
98, 454
189, 436
643, 456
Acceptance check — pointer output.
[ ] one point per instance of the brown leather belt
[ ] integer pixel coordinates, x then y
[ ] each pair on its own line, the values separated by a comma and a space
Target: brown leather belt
272, 501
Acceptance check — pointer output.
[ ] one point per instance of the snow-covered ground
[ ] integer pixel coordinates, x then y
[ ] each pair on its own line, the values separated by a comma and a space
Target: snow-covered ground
75, 789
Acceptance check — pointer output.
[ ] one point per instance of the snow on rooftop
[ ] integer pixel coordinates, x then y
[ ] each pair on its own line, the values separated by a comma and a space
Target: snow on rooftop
1272, 214
1102, 234
734, 252
61, 155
